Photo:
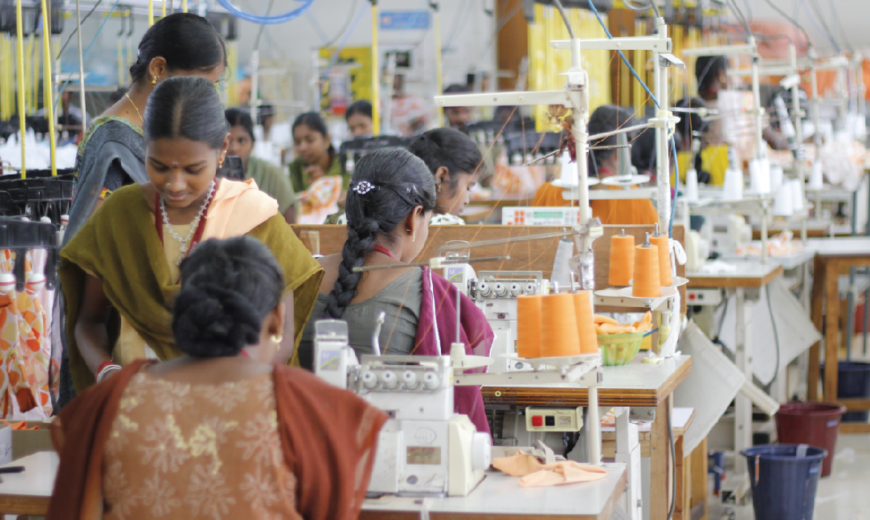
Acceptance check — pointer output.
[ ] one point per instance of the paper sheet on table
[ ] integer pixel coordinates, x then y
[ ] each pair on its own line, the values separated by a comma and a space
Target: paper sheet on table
710, 386
794, 329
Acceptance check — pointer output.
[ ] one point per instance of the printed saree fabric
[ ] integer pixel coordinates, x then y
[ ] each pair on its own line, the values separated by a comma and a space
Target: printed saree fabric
326, 443
26, 365
120, 247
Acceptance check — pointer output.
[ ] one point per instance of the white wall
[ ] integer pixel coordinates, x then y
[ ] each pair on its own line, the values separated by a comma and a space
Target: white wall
852, 13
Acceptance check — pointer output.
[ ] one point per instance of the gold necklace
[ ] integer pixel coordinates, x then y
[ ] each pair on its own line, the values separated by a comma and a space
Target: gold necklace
127, 94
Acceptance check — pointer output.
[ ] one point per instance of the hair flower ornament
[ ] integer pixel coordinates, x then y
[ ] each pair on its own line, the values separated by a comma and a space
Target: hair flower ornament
363, 187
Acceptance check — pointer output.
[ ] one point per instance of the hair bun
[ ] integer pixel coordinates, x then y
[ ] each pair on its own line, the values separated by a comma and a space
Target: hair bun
211, 321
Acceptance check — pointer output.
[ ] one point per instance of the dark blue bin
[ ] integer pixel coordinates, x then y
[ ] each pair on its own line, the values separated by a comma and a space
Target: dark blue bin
784, 484
853, 380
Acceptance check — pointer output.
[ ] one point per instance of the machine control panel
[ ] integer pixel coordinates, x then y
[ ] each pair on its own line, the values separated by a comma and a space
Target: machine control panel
554, 419
711, 297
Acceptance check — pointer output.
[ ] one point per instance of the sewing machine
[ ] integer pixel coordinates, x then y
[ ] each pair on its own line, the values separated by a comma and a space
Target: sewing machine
424, 449
495, 293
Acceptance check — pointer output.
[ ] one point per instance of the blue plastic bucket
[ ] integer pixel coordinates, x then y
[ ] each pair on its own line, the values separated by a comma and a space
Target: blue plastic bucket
853, 380
784, 478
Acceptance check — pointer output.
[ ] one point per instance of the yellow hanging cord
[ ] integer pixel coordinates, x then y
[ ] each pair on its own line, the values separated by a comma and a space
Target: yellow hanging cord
150, 13
163, 11
28, 80
376, 76
46, 85
19, 31
438, 71
184, 5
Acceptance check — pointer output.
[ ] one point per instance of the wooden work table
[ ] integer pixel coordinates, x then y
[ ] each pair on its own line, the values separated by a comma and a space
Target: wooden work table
634, 385
834, 257
29, 492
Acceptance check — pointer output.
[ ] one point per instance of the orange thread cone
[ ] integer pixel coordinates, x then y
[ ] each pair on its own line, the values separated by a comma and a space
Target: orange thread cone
664, 259
529, 326
585, 323
646, 283
559, 326
621, 260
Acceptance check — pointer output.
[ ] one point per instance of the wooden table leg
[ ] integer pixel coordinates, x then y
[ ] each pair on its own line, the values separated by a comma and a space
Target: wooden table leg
832, 328
683, 508
817, 308
660, 483
699, 479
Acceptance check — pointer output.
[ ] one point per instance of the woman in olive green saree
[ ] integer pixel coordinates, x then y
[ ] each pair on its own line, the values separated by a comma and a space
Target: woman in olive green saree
121, 271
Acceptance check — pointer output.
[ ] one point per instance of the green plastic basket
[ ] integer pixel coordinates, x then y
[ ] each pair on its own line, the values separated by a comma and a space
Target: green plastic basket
619, 349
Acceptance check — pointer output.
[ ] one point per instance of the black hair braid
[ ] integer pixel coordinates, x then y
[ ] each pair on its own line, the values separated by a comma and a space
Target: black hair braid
387, 185
360, 240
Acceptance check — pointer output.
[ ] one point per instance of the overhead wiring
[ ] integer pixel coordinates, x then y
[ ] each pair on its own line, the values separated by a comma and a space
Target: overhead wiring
347, 22
267, 20
75, 31
813, 21
85, 54
564, 17
821, 17
836, 16
652, 5
263, 27
790, 20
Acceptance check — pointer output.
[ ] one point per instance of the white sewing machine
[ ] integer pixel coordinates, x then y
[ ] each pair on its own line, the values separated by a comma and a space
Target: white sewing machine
424, 449
495, 293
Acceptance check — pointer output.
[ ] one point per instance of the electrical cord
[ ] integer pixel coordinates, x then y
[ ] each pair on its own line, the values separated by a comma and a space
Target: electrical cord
816, 26
652, 5
840, 24
106, 19
263, 27
790, 19
331, 42
775, 336
564, 17
823, 21
267, 20
85, 19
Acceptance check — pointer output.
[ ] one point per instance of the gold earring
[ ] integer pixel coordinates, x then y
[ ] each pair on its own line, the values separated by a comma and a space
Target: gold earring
414, 237
220, 162
154, 80
277, 338
438, 188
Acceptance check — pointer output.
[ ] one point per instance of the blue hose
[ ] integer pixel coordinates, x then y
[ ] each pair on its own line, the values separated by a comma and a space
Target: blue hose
267, 20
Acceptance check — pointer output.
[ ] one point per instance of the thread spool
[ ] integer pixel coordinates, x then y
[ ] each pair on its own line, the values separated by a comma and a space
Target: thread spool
621, 260
559, 326
647, 282
529, 326
662, 243
585, 322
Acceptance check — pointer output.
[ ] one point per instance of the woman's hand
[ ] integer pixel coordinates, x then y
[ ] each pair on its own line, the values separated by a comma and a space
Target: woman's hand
90, 329
315, 172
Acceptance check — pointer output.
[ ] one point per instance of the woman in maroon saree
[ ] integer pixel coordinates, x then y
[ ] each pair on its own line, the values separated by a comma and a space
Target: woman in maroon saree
389, 204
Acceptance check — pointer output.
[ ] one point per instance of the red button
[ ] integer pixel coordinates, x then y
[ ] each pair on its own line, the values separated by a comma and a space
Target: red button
537, 421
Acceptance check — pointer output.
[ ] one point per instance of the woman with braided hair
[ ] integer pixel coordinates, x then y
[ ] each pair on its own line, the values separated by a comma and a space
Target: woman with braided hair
392, 197
217, 433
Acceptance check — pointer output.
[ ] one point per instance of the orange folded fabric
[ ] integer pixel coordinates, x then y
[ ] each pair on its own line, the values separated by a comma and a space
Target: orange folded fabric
536, 474
561, 473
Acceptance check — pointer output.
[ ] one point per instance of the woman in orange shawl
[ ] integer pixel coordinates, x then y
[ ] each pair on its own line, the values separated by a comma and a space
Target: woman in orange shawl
219, 433
121, 271
603, 163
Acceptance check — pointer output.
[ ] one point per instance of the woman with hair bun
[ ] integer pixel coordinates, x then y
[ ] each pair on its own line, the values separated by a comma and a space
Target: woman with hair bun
120, 273
218, 433
391, 199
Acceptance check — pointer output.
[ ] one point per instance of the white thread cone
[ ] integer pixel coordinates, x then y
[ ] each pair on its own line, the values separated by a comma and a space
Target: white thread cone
692, 185
733, 189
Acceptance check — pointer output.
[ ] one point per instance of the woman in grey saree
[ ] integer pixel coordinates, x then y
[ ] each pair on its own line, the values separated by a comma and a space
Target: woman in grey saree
112, 152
